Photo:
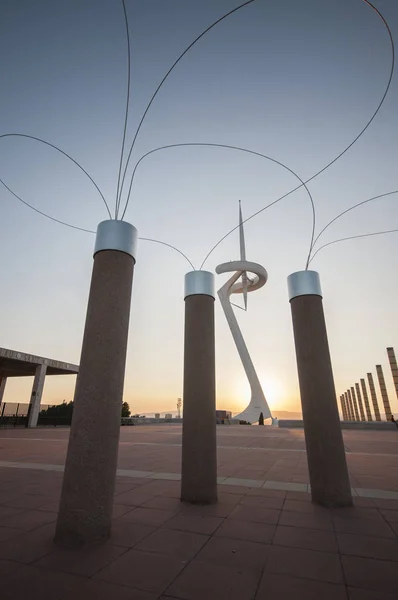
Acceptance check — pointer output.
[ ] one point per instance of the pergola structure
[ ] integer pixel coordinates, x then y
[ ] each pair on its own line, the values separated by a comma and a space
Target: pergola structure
20, 364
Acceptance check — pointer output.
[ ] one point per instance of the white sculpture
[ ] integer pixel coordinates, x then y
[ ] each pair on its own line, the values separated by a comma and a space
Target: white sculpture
240, 268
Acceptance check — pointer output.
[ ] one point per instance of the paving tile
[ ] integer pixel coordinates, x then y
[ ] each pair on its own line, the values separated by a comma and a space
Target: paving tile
182, 544
7, 533
128, 534
359, 594
266, 493
310, 539
121, 509
282, 587
35, 583
29, 501
363, 527
6, 566
240, 554
307, 521
390, 515
135, 497
201, 580
28, 545
301, 506
256, 514
262, 502
357, 512
194, 523
370, 574
385, 504
321, 566
84, 561
368, 546
246, 530
164, 503
143, 570
148, 516
100, 590
30, 519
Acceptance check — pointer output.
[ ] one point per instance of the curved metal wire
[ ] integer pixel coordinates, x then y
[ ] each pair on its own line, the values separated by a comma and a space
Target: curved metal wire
170, 246
241, 150
341, 153
126, 22
351, 237
47, 216
37, 139
164, 79
43, 213
348, 210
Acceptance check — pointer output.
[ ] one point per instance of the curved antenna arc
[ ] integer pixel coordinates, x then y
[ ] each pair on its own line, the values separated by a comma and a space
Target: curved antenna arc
392, 67
352, 237
238, 148
164, 79
170, 246
37, 139
348, 210
127, 106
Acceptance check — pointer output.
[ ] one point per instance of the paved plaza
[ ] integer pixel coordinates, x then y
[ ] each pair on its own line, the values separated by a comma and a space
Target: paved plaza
263, 540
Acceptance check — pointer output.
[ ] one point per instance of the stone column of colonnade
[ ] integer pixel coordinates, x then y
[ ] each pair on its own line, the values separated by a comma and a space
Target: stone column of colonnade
36, 395
350, 404
366, 400
359, 397
373, 396
394, 368
383, 391
354, 401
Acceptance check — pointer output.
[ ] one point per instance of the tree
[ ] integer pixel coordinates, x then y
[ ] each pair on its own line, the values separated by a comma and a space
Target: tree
261, 419
179, 404
126, 412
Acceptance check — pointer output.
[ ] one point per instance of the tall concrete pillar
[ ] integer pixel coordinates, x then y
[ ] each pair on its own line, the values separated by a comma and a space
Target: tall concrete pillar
343, 407
327, 465
3, 381
366, 400
373, 396
199, 447
355, 405
349, 418
360, 403
90, 471
394, 368
37, 392
351, 408
383, 391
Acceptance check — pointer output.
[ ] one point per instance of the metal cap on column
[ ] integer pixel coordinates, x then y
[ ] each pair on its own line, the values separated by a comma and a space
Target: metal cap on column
86, 505
199, 447
373, 396
327, 465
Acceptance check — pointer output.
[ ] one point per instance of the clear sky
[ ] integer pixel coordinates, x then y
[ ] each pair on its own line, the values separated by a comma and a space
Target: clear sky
294, 80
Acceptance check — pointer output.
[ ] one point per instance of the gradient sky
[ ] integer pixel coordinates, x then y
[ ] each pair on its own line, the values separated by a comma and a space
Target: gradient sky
294, 80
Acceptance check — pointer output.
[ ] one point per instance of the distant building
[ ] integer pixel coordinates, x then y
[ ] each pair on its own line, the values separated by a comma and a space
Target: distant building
157, 415
223, 415
168, 416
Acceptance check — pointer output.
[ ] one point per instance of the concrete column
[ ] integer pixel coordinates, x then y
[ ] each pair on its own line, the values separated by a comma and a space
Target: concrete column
394, 368
3, 381
360, 404
351, 409
199, 447
330, 484
347, 406
354, 402
366, 400
373, 396
37, 392
90, 471
347, 417
343, 407
383, 391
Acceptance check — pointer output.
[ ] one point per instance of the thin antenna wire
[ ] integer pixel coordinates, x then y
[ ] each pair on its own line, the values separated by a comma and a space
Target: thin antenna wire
43, 213
348, 210
164, 79
341, 153
230, 148
351, 237
170, 246
127, 106
32, 137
